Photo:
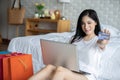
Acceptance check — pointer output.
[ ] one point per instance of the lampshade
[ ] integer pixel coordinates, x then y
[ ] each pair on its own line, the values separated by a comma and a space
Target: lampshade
64, 1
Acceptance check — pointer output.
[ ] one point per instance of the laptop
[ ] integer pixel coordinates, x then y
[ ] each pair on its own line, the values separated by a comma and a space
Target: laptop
59, 54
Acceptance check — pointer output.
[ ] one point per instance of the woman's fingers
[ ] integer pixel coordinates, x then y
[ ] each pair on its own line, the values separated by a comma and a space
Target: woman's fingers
106, 31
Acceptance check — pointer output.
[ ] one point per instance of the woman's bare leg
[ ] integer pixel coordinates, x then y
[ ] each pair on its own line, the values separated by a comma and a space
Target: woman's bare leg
58, 74
44, 74
62, 73
76, 76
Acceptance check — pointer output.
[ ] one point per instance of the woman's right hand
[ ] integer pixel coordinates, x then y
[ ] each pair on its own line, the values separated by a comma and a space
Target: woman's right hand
102, 42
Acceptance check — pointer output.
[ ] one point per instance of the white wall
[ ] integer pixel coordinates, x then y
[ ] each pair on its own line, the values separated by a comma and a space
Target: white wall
3, 18
108, 12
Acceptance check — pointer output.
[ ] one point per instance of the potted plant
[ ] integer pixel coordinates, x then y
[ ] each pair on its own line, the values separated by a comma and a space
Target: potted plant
39, 8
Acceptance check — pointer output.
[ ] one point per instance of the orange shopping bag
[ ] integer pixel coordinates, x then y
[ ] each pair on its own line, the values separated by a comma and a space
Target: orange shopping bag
17, 66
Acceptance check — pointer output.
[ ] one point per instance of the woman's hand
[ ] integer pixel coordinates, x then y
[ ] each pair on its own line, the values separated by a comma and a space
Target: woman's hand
103, 42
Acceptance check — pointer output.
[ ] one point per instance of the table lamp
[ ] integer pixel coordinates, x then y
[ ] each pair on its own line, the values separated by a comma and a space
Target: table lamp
64, 2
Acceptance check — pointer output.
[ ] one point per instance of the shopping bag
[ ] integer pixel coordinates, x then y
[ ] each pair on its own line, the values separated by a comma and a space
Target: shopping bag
16, 15
16, 66
1, 66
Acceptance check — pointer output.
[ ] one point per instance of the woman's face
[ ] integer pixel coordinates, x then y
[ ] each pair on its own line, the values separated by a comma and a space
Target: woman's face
88, 25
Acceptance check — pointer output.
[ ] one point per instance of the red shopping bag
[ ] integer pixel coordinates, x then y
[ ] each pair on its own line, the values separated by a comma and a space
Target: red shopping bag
1, 66
17, 66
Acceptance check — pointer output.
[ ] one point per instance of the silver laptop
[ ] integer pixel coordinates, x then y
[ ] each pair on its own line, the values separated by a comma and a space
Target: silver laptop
59, 54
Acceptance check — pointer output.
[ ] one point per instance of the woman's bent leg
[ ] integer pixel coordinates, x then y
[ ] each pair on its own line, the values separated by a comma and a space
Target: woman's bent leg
44, 74
76, 76
58, 74
62, 73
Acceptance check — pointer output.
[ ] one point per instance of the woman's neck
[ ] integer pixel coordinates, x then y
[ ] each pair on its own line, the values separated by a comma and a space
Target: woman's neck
89, 37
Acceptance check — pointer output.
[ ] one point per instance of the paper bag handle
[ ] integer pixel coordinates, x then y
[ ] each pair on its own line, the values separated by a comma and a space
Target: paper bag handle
22, 62
14, 4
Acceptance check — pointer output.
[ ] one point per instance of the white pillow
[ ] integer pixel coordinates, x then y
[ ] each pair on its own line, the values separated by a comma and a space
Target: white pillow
113, 31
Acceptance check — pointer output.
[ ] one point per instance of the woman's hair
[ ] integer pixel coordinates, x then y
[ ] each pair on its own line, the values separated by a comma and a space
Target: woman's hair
79, 32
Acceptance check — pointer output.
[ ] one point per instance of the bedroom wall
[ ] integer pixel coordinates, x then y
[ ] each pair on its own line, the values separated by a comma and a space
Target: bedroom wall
3, 18
108, 12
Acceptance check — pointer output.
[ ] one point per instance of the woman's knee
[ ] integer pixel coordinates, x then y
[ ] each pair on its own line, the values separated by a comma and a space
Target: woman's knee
63, 72
61, 69
50, 66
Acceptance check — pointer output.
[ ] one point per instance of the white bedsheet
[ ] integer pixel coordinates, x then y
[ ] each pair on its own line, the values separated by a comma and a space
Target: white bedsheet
31, 45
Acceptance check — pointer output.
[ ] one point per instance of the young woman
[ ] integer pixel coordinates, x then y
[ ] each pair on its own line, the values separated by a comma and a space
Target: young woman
89, 48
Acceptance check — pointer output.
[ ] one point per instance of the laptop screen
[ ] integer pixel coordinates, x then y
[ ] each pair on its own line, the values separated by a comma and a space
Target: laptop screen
59, 54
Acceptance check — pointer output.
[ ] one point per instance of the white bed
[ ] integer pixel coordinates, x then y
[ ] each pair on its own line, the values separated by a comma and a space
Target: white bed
31, 44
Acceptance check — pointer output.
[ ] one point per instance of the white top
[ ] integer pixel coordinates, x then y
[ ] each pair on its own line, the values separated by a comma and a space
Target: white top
89, 56
102, 64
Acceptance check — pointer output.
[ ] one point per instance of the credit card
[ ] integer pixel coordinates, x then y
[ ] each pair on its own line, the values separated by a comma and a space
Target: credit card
103, 36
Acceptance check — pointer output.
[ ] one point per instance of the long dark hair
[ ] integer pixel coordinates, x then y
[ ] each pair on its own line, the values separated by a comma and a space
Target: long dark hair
79, 32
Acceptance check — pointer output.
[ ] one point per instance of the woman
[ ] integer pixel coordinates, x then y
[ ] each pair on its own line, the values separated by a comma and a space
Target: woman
89, 49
